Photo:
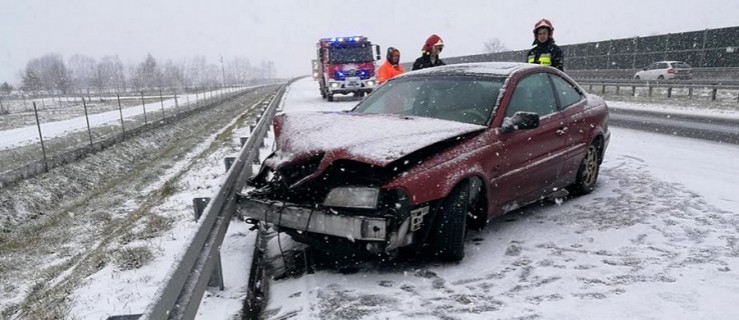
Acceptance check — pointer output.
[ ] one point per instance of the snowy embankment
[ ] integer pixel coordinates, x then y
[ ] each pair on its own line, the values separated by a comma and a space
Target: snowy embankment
94, 238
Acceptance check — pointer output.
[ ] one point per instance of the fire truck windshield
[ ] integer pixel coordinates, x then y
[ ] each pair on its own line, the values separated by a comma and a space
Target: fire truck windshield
350, 55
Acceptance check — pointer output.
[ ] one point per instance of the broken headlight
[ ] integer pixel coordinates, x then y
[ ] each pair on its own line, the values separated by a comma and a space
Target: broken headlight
352, 197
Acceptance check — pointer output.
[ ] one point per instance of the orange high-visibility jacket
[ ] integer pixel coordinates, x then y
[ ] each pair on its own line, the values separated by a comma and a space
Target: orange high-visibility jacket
387, 71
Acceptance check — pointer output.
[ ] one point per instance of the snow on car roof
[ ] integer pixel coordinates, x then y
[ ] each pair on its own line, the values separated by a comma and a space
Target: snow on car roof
502, 69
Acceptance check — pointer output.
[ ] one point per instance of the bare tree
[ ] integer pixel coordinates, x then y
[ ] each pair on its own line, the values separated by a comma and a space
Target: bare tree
494, 45
6, 88
48, 72
111, 73
82, 71
148, 73
172, 75
31, 79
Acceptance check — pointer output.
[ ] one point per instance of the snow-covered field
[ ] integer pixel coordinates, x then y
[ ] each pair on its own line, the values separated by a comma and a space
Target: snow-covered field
658, 239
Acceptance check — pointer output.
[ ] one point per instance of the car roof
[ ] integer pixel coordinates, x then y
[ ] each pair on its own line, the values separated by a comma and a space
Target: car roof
497, 69
670, 61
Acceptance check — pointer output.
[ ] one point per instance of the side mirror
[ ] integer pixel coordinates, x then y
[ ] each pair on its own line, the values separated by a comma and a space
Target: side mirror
520, 121
377, 52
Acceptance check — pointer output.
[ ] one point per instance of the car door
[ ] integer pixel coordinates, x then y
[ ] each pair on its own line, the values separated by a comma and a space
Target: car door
650, 74
575, 126
529, 159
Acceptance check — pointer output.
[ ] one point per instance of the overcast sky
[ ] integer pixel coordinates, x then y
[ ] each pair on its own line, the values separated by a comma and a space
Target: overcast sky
286, 31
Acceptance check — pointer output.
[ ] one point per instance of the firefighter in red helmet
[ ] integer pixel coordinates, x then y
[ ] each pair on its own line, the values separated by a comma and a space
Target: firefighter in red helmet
545, 51
430, 53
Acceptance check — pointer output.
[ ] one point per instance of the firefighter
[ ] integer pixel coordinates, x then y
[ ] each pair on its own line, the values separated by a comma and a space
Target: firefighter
545, 51
430, 53
391, 67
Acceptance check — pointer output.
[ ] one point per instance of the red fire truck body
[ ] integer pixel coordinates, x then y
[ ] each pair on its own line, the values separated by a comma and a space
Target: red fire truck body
345, 65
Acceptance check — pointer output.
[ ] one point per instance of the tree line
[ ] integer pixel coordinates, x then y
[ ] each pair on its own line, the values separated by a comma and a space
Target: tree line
52, 74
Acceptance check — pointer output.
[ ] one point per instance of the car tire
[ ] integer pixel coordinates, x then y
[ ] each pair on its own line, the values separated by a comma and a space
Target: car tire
447, 240
637, 78
587, 174
661, 77
330, 97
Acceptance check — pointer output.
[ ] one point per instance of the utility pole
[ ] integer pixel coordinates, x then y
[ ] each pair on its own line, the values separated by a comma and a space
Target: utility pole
223, 72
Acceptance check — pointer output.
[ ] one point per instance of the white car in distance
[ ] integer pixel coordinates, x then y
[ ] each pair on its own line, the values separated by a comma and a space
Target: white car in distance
665, 70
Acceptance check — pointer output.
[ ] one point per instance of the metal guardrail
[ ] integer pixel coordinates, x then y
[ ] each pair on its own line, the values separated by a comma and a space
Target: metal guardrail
698, 74
691, 85
180, 293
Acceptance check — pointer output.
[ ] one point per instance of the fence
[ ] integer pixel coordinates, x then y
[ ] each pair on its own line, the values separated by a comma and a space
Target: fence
38, 134
710, 48
713, 91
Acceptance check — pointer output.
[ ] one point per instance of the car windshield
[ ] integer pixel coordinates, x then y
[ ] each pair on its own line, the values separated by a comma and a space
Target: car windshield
350, 54
680, 65
462, 99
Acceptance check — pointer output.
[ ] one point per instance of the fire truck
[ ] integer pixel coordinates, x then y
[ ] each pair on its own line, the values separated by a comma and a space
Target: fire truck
345, 65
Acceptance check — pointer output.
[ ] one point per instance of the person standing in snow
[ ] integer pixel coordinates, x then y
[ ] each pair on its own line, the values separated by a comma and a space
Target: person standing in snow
430, 53
545, 51
391, 67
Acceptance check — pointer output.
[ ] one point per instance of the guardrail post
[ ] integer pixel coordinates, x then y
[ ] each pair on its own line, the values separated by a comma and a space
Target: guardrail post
603, 89
633, 91
256, 157
713, 93
252, 127
125, 317
216, 278
243, 140
690, 93
618, 89
669, 92
199, 205
650, 89
229, 161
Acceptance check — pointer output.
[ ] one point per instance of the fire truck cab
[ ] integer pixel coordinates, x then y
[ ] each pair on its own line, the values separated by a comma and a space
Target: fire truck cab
345, 65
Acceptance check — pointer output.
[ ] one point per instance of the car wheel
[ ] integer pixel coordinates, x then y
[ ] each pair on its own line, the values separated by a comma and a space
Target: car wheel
447, 241
661, 77
587, 174
637, 77
330, 97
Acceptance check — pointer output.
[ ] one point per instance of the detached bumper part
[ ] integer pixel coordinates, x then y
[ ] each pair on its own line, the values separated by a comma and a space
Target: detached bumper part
313, 220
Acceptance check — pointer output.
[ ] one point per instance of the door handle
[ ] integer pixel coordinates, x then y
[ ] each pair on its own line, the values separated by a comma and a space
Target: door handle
561, 131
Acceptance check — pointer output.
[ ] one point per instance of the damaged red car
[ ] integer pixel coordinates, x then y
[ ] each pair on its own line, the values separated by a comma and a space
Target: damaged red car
428, 155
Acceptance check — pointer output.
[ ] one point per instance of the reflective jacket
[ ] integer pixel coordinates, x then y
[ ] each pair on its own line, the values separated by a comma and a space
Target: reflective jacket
548, 54
388, 70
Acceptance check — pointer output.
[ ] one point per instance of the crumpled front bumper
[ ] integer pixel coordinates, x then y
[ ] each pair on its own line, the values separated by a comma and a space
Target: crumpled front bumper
321, 221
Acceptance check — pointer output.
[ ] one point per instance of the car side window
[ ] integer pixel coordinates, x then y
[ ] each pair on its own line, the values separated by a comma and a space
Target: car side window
566, 93
662, 66
533, 93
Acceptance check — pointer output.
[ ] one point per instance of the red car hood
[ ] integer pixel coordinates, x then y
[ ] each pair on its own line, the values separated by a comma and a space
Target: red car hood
377, 139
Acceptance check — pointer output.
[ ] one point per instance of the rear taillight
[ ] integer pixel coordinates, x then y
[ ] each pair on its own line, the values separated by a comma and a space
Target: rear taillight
670, 70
